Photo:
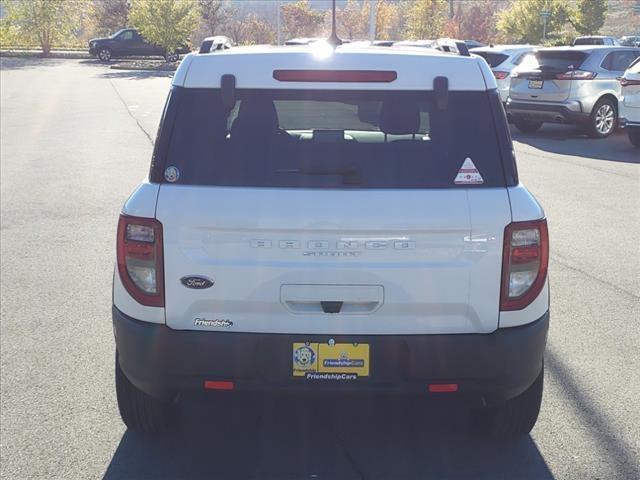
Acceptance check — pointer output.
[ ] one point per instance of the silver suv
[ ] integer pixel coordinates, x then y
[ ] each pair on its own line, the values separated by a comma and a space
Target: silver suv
569, 85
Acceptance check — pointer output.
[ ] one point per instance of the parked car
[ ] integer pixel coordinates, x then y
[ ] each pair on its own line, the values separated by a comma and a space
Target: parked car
271, 247
630, 41
569, 85
474, 44
630, 102
415, 43
595, 40
129, 43
502, 59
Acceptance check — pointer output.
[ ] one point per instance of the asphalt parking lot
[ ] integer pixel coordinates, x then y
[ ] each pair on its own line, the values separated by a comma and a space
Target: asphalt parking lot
76, 138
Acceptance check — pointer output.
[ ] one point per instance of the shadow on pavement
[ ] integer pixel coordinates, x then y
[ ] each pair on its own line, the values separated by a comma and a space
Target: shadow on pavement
24, 63
569, 140
620, 454
303, 437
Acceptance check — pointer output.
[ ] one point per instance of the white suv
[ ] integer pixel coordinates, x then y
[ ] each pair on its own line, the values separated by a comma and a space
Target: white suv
503, 59
332, 219
630, 102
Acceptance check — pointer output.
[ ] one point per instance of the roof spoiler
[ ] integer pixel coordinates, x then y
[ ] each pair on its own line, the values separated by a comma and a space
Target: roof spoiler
212, 44
453, 46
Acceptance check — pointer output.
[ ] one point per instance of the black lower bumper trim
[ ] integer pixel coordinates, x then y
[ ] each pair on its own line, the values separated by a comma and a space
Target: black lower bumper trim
491, 367
545, 113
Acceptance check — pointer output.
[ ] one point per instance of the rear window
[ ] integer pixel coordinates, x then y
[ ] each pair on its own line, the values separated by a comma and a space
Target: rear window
560, 60
588, 41
330, 139
493, 58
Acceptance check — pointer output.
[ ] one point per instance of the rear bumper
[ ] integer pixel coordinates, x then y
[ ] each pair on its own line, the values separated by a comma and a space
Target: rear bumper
569, 112
488, 368
624, 123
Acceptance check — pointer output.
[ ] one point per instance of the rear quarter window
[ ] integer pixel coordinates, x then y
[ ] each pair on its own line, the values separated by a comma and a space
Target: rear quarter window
331, 139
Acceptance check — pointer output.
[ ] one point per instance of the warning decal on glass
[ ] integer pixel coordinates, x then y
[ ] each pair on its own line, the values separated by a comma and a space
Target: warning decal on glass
468, 174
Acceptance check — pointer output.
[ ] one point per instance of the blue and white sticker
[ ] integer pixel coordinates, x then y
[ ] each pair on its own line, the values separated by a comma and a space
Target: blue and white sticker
172, 174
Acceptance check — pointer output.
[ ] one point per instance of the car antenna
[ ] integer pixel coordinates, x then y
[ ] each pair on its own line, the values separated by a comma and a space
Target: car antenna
333, 39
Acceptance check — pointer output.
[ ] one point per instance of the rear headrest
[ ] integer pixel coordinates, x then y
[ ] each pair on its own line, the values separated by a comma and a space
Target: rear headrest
399, 117
256, 114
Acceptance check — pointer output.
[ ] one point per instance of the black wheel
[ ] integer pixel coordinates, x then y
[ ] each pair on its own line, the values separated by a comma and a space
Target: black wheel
634, 135
514, 418
139, 411
603, 120
527, 126
172, 57
104, 54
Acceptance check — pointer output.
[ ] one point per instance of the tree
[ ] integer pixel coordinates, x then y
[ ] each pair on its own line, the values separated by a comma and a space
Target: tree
353, 20
427, 19
111, 15
300, 20
258, 31
388, 20
44, 22
213, 14
478, 20
521, 22
167, 23
589, 16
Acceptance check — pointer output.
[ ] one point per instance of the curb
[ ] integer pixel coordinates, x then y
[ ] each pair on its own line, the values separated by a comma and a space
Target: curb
37, 54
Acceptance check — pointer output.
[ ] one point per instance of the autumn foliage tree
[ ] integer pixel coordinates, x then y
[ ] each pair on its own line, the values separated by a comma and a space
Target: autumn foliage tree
301, 20
427, 19
477, 20
110, 15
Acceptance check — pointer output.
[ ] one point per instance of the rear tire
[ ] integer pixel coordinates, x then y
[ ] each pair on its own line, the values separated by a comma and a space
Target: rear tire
527, 126
634, 135
514, 418
140, 411
603, 120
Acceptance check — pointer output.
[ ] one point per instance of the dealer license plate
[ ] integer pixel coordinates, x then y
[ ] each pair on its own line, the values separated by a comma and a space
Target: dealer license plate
324, 361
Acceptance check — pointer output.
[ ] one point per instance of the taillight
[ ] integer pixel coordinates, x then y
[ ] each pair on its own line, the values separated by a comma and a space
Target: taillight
500, 75
140, 262
524, 263
625, 82
576, 75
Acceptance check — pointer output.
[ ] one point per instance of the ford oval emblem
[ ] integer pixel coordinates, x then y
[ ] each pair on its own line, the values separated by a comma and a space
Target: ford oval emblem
196, 282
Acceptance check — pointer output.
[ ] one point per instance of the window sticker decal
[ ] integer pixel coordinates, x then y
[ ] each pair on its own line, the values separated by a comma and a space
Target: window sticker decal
468, 174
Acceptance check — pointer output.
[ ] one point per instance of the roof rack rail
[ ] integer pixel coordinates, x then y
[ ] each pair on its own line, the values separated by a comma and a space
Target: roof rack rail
458, 47
211, 44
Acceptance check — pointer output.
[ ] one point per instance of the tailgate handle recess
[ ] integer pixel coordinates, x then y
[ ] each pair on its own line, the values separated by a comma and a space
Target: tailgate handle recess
331, 307
332, 299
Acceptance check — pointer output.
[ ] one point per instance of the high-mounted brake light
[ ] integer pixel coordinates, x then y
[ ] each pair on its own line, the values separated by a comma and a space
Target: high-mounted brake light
500, 75
525, 262
140, 261
576, 75
626, 82
338, 76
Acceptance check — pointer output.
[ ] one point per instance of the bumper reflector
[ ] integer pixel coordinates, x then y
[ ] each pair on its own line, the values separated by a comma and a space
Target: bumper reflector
218, 385
443, 387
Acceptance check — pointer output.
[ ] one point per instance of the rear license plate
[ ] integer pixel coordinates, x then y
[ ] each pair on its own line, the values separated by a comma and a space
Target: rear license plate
322, 361
536, 83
